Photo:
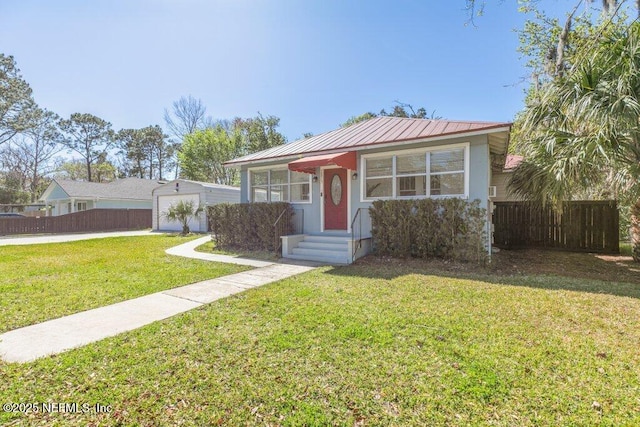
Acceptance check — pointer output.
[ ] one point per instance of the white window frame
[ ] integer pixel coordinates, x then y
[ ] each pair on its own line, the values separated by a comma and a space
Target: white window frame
309, 182
79, 204
250, 193
396, 175
465, 174
364, 176
268, 169
417, 151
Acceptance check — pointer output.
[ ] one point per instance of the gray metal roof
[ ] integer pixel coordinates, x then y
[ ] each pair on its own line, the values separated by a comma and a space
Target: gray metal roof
207, 185
210, 184
126, 188
379, 130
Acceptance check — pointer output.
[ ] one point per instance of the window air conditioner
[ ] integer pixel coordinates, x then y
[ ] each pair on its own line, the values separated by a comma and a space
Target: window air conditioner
492, 191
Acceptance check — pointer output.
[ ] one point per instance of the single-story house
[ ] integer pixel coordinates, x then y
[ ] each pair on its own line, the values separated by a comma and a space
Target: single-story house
65, 196
201, 193
335, 176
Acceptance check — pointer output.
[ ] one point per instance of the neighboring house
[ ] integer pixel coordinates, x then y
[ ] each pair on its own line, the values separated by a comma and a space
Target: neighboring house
500, 179
31, 209
201, 193
63, 196
333, 177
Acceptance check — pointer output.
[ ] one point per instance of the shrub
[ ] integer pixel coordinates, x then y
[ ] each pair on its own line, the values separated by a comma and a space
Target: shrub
445, 228
247, 225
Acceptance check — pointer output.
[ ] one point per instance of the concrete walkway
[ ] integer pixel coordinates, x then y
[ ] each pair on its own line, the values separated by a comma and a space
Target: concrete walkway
58, 238
188, 250
55, 336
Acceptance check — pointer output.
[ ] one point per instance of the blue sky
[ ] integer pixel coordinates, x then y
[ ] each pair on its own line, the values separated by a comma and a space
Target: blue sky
312, 63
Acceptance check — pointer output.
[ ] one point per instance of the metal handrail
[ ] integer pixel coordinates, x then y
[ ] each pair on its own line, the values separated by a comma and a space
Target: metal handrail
280, 217
358, 217
277, 241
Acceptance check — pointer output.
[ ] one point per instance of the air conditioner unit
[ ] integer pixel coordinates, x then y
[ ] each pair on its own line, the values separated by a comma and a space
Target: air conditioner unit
492, 191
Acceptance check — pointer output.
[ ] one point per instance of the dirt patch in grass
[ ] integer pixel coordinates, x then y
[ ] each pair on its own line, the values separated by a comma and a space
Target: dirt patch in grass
620, 268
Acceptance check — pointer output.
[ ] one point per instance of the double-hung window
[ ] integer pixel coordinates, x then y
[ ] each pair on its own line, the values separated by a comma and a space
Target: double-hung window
260, 186
416, 173
447, 173
411, 175
280, 185
379, 178
300, 189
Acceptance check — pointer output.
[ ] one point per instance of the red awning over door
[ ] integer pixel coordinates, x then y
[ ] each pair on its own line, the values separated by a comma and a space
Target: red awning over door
346, 160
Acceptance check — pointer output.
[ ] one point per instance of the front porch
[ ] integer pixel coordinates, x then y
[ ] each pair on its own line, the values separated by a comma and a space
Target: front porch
333, 232
331, 248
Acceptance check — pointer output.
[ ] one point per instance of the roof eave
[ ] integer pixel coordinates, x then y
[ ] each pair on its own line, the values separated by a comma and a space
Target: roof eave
502, 127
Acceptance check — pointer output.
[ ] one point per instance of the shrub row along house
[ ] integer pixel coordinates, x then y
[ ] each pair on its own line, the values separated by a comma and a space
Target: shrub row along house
333, 178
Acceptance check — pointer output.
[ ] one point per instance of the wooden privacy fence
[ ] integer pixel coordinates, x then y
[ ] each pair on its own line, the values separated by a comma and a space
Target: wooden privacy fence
85, 221
581, 226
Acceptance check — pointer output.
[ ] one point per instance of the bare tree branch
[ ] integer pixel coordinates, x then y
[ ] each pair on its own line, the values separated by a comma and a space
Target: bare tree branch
186, 116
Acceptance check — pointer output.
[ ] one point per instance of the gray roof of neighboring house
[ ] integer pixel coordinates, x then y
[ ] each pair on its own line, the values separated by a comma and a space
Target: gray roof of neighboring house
206, 184
120, 189
379, 130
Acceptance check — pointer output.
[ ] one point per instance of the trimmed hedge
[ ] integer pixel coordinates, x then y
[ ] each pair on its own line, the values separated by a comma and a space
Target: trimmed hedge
247, 225
444, 228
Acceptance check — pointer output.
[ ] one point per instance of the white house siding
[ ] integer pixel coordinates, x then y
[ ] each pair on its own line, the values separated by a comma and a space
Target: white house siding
121, 204
201, 193
501, 180
213, 196
58, 194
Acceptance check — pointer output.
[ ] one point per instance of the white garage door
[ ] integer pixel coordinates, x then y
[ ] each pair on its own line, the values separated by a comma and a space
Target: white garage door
164, 202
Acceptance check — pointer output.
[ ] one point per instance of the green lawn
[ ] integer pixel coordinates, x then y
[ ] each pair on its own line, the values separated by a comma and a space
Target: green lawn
369, 344
210, 247
41, 282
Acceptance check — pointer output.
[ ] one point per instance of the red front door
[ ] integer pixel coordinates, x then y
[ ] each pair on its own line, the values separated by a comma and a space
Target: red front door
335, 199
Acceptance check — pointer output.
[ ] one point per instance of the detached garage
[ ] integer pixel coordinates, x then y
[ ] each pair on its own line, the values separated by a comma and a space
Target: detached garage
201, 193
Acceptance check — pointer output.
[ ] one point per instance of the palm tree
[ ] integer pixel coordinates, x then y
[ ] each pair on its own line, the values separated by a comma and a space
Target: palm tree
635, 231
182, 212
582, 130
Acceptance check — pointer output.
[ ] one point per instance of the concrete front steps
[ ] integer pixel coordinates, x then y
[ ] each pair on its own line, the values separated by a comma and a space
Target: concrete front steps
321, 248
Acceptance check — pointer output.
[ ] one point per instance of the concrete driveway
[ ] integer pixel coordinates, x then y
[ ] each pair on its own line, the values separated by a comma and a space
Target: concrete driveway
58, 238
